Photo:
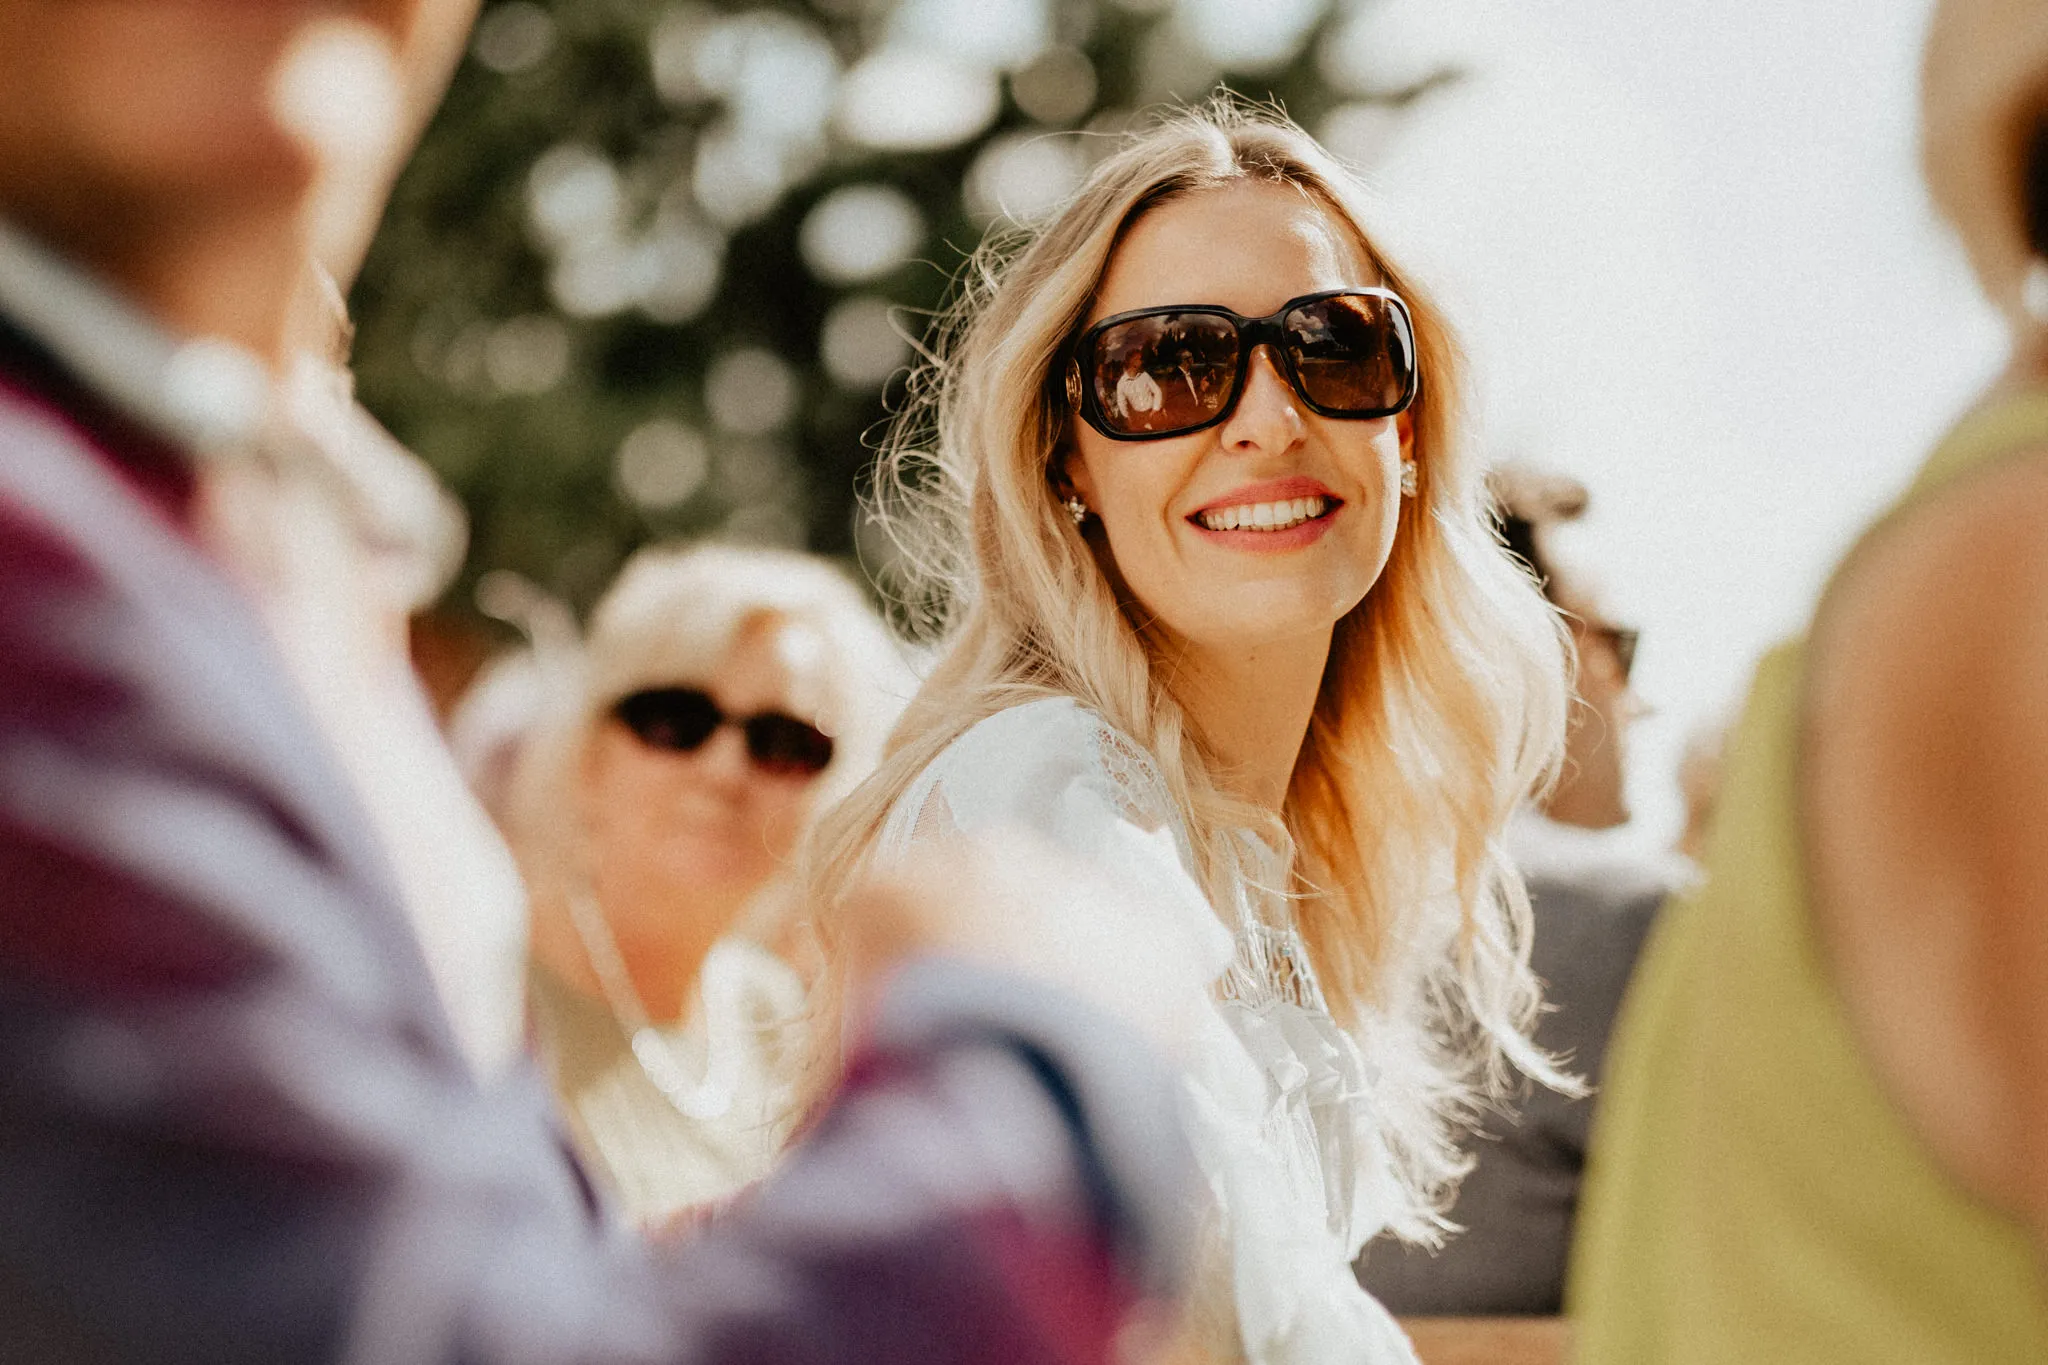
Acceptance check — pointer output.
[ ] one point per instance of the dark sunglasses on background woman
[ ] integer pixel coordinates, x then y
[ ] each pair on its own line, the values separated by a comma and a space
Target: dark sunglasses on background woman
1158, 372
683, 719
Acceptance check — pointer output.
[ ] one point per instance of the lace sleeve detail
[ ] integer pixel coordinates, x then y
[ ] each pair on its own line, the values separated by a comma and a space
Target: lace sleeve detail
1141, 791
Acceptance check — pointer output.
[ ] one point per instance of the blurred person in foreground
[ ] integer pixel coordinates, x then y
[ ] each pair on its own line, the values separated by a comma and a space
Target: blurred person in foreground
338, 548
238, 1122
1593, 900
1822, 1137
723, 695
1251, 647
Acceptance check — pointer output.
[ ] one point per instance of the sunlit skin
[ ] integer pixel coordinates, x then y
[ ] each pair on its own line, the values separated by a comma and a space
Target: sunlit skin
676, 844
139, 136
1243, 619
1592, 789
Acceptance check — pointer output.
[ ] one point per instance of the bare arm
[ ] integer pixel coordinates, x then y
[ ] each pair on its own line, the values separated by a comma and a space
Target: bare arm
1925, 810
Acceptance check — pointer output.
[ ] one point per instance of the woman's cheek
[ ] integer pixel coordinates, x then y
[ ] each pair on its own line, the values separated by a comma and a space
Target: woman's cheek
785, 822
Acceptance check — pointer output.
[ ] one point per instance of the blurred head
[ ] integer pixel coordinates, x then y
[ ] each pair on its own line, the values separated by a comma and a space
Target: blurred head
674, 773
136, 116
1591, 789
1984, 95
1443, 695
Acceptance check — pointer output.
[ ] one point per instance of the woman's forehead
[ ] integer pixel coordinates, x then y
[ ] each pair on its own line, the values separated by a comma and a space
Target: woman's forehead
773, 659
765, 655
1248, 246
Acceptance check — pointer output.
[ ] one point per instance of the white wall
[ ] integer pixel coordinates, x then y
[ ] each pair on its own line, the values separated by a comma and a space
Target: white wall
1697, 270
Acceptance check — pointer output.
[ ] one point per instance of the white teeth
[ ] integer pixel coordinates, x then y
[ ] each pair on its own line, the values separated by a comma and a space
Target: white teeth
1265, 516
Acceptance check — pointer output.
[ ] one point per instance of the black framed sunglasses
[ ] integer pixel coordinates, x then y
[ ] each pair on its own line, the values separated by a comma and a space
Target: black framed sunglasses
1159, 372
684, 718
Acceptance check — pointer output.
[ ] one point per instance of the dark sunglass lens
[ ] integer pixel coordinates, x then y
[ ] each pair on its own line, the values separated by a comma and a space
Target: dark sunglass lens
786, 745
1355, 354
1157, 375
670, 717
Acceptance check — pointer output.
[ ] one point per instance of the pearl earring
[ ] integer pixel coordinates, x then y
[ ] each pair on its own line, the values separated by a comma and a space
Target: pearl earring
1076, 509
1409, 483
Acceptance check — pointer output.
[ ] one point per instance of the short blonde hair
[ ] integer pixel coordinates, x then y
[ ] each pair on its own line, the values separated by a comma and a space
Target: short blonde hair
1442, 706
667, 619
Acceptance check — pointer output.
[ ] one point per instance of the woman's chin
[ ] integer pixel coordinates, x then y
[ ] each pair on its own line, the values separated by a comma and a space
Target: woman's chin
1251, 617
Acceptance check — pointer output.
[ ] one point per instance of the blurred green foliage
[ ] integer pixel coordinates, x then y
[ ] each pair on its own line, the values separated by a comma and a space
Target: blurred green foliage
465, 349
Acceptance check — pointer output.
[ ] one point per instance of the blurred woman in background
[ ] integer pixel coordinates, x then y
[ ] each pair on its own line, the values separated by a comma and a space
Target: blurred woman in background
1822, 1138
723, 695
1251, 648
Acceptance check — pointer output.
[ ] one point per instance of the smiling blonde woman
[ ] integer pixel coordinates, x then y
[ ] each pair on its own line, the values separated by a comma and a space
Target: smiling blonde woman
1255, 652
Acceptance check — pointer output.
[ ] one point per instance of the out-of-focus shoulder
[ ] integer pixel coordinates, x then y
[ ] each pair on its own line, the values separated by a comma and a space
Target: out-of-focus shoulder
1969, 561
1049, 764
1056, 740
1057, 726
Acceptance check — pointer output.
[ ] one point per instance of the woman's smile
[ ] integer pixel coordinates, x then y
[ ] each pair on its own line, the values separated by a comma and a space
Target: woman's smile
1269, 517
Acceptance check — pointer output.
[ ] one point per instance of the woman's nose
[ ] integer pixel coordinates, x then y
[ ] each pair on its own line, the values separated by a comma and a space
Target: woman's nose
723, 757
1268, 415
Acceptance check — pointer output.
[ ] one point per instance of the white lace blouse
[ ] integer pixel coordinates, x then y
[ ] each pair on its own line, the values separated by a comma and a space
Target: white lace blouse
1278, 1097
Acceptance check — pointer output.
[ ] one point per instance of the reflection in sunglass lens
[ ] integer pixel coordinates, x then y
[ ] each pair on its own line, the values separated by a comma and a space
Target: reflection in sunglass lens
1164, 373
784, 744
1354, 353
680, 718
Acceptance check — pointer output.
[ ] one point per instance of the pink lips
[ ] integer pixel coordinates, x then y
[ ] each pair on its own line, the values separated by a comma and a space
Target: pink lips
1270, 490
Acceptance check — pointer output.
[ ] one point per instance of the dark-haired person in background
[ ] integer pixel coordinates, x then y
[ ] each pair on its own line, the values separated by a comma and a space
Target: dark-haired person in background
1593, 901
236, 1119
1825, 1133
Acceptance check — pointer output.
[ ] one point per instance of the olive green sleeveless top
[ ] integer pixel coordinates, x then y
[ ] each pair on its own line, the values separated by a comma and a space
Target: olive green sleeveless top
1753, 1195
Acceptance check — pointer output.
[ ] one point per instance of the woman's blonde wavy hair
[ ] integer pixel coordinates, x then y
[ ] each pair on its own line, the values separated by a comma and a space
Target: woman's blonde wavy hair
1442, 706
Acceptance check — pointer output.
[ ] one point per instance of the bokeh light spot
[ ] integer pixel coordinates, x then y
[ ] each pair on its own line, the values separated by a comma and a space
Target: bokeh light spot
678, 272
592, 279
1249, 37
661, 463
860, 344
1024, 176
513, 37
860, 232
906, 98
573, 192
672, 52
750, 391
737, 176
528, 354
999, 34
1057, 88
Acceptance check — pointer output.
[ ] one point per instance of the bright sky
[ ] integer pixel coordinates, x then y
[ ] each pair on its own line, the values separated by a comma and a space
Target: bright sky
1697, 269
